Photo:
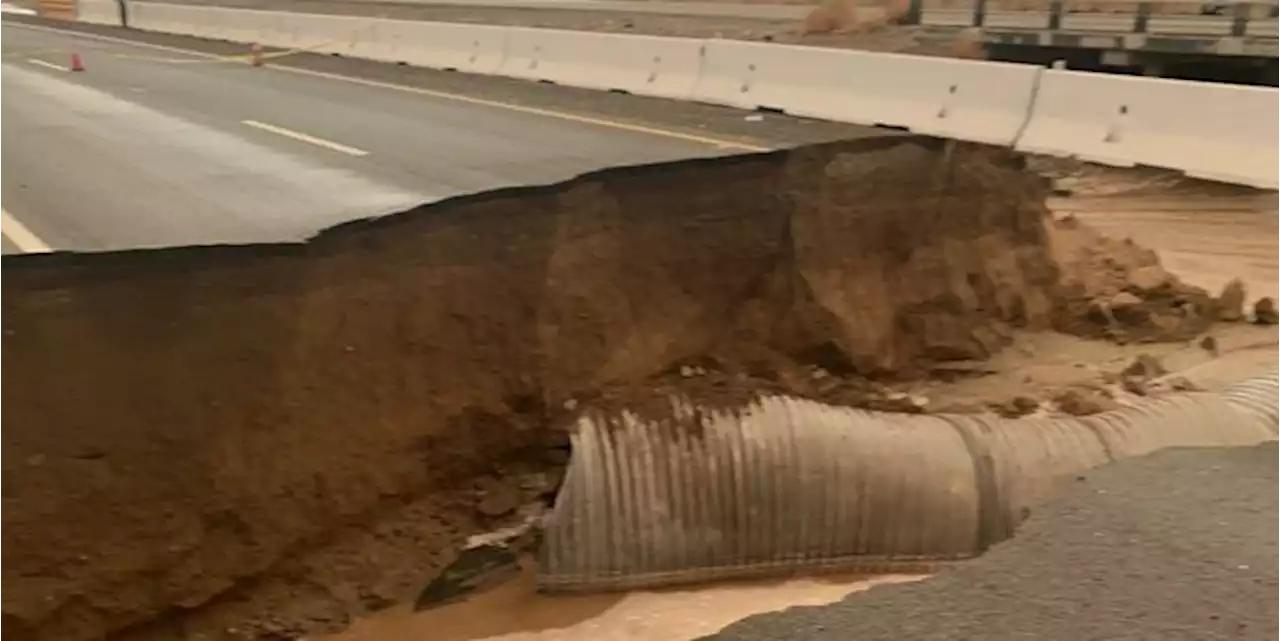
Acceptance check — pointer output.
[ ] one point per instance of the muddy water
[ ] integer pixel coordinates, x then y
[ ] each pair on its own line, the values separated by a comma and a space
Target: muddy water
515, 612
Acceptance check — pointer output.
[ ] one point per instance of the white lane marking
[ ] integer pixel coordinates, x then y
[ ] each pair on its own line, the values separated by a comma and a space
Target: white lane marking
21, 11
548, 113
297, 135
237, 188
46, 64
22, 237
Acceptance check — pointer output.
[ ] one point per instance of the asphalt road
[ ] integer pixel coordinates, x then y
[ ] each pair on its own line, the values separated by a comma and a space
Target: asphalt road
156, 148
1180, 545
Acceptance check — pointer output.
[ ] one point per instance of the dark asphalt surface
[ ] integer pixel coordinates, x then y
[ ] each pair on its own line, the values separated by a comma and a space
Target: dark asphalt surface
152, 147
1180, 545
149, 148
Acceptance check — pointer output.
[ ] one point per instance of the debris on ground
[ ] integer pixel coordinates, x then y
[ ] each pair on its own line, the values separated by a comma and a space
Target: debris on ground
1210, 345
831, 16
1083, 402
1016, 407
1230, 301
474, 570
1264, 312
1117, 290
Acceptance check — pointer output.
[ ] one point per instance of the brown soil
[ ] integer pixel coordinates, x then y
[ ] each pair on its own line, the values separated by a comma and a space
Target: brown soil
260, 442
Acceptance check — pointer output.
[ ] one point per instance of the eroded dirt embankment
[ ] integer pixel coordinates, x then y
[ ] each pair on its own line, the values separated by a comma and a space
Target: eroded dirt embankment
190, 429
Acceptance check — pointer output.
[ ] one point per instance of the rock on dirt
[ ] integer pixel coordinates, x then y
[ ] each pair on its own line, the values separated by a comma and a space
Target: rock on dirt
1137, 376
1016, 407
1083, 402
1210, 345
1116, 290
1264, 312
1231, 301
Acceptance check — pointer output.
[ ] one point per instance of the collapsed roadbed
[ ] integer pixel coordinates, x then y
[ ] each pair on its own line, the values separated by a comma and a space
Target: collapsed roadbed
201, 438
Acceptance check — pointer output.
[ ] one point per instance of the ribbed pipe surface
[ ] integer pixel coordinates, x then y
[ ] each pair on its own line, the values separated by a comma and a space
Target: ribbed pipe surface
789, 485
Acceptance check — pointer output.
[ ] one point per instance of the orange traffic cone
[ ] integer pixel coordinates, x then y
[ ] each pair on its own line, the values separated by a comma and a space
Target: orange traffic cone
256, 58
76, 63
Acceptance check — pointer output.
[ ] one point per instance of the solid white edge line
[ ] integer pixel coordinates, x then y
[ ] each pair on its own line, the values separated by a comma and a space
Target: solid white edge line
21, 237
297, 135
46, 64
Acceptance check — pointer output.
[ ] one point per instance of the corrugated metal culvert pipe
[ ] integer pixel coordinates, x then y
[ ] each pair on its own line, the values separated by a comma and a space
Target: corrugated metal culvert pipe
790, 485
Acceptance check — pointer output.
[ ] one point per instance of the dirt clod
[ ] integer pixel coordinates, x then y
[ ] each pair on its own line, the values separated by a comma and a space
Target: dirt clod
1117, 291
1016, 407
1264, 312
1124, 301
1210, 345
1145, 367
1230, 301
497, 498
1082, 402
1148, 278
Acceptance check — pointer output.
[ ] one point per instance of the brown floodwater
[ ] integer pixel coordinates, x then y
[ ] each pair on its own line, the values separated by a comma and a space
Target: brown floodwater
514, 611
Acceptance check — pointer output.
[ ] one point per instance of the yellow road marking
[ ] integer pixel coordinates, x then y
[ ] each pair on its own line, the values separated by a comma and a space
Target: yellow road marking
536, 111
718, 143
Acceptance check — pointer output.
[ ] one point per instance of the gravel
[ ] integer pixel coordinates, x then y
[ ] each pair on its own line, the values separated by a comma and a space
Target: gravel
1177, 545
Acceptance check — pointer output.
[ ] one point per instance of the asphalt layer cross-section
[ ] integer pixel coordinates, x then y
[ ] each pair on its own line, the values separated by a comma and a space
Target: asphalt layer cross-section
1176, 546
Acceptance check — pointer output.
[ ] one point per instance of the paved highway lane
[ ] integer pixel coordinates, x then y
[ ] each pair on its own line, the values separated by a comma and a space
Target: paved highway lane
155, 148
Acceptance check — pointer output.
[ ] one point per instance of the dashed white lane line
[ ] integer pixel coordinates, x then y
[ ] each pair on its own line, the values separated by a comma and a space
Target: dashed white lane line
46, 64
718, 143
297, 135
20, 236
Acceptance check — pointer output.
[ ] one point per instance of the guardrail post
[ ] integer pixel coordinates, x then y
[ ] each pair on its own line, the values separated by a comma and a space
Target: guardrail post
979, 12
1239, 19
1055, 15
914, 12
1144, 16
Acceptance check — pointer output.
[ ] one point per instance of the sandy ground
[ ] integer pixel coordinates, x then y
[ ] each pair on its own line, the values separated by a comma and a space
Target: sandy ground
514, 612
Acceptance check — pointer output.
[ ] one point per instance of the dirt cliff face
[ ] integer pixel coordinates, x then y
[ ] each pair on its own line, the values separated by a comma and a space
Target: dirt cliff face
186, 422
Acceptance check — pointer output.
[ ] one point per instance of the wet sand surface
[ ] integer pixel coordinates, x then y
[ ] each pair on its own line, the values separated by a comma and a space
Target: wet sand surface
515, 612
1206, 240
1205, 233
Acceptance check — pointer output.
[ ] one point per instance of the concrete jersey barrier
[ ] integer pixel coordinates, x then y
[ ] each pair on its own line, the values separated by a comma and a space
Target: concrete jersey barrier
967, 100
1207, 130
644, 65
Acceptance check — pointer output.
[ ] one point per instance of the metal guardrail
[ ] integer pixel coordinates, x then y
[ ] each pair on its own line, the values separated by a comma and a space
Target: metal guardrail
1217, 19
